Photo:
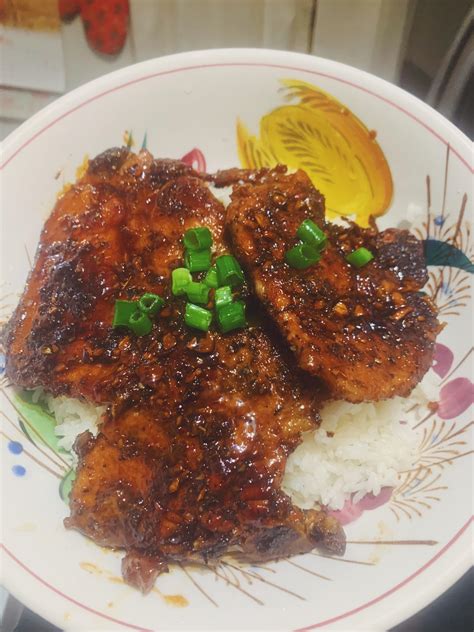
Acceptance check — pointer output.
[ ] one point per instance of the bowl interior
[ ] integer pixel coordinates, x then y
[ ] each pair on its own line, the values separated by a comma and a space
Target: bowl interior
193, 106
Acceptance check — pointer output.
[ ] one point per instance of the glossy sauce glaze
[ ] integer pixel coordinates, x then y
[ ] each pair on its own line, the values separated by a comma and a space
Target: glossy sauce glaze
367, 332
190, 456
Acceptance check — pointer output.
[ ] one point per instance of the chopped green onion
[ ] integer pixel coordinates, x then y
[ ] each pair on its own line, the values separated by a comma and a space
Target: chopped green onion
197, 239
231, 316
122, 312
223, 296
229, 271
139, 323
211, 278
302, 256
150, 304
197, 292
197, 317
311, 234
359, 257
180, 277
197, 260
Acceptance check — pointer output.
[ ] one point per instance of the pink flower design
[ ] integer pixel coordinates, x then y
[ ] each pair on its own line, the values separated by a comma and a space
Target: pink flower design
195, 159
351, 511
455, 397
443, 359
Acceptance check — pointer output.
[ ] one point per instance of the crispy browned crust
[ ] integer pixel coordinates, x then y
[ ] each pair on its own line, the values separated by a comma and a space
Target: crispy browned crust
190, 457
368, 333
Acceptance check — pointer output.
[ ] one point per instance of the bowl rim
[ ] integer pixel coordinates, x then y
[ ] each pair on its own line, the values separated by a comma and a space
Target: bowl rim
87, 92
38, 124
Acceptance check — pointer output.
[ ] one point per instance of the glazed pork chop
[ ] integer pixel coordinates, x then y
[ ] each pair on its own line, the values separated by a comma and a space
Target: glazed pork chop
189, 458
367, 332
194, 472
99, 238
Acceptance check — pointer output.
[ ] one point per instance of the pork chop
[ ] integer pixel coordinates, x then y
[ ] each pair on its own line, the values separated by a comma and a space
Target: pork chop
189, 459
367, 332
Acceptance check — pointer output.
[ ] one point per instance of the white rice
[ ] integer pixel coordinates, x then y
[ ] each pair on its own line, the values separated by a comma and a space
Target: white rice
222, 194
357, 450
73, 417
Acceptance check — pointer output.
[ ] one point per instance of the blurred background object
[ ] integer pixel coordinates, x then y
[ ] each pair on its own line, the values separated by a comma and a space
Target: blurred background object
30, 14
32, 68
452, 91
49, 47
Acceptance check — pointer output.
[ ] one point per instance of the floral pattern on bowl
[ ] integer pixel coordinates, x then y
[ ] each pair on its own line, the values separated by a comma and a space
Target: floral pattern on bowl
387, 578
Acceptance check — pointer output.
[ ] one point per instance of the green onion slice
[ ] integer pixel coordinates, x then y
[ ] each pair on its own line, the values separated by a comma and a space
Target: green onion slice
311, 234
122, 312
229, 271
197, 292
197, 317
140, 323
180, 277
211, 278
302, 256
231, 316
197, 260
197, 239
150, 304
223, 296
359, 257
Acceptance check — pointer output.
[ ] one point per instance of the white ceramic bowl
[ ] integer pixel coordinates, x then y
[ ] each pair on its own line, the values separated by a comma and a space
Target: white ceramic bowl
193, 101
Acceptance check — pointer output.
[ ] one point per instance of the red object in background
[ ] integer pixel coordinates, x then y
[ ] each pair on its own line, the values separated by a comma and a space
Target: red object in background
68, 9
105, 22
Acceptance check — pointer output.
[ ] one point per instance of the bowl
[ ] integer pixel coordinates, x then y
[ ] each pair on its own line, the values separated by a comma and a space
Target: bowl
372, 149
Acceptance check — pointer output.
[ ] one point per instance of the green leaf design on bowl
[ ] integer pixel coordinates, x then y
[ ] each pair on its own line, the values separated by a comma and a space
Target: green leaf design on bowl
441, 253
65, 485
36, 422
